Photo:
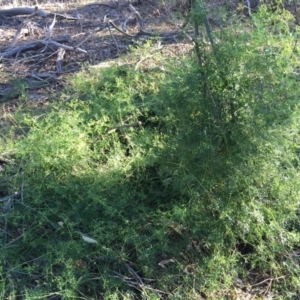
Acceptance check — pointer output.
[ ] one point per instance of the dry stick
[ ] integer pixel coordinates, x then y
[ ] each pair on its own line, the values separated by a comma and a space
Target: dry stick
124, 278
249, 11
140, 21
78, 15
138, 287
266, 280
64, 46
120, 30
45, 58
6, 210
124, 26
143, 59
21, 26
60, 56
37, 77
139, 18
135, 275
143, 32
27, 58
34, 44
28, 11
249, 8
90, 35
114, 40
135, 124
49, 30
155, 290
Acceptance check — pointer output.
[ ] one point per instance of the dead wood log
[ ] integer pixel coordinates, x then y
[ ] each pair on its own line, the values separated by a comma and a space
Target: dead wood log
17, 11
39, 43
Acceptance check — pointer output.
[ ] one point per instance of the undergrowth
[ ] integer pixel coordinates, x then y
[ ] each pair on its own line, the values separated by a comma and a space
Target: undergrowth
197, 195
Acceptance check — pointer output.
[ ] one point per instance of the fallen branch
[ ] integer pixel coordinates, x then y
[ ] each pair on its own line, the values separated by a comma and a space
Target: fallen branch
38, 43
135, 275
21, 26
49, 30
169, 35
143, 32
114, 40
138, 16
17, 11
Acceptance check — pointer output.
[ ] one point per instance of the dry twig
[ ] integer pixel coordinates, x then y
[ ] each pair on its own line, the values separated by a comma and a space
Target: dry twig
21, 26
135, 124
60, 56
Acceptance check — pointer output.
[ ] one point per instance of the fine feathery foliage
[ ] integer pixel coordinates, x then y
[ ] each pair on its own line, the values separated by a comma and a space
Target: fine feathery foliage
198, 195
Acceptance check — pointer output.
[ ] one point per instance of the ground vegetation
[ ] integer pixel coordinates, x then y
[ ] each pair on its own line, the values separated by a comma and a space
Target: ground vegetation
169, 172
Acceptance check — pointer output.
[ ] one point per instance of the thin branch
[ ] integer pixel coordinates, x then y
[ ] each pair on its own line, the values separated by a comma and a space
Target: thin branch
266, 280
131, 17
49, 31
135, 275
60, 56
135, 124
249, 8
90, 35
120, 30
114, 40
21, 26
138, 16
155, 290
142, 32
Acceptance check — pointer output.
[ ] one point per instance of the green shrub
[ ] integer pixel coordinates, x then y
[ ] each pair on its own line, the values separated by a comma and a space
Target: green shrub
203, 193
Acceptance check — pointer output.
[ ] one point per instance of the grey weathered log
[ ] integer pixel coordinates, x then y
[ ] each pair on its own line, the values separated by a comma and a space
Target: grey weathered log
38, 43
18, 11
